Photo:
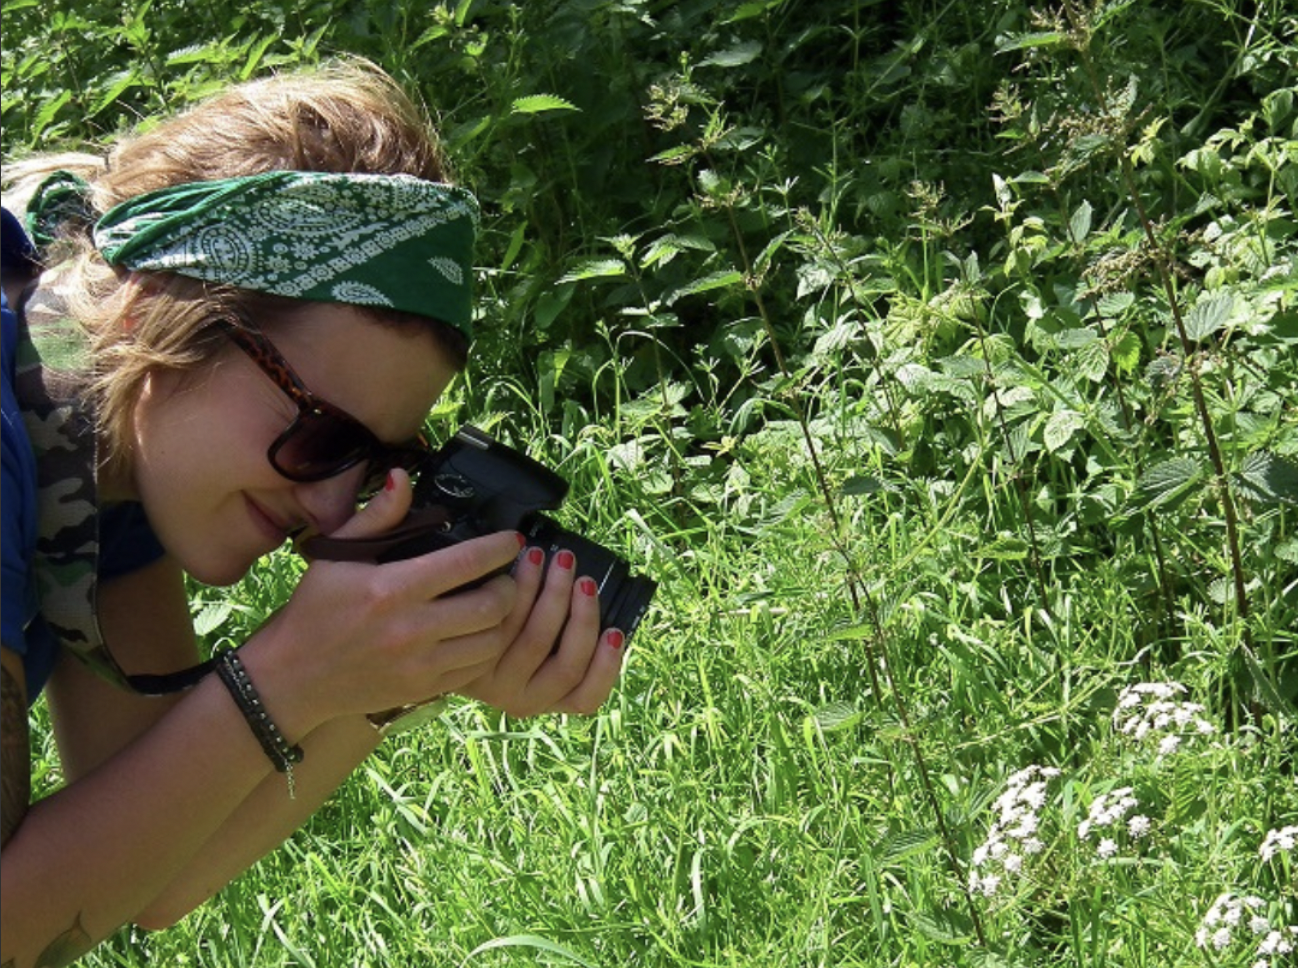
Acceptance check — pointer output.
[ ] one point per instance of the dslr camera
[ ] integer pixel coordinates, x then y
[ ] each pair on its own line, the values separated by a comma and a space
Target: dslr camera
474, 486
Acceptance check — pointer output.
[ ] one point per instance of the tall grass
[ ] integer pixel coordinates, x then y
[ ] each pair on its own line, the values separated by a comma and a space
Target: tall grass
938, 361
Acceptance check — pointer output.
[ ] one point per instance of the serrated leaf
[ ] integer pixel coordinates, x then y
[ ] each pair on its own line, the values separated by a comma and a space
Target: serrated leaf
1125, 352
1167, 483
1269, 479
595, 269
714, 280
1093, 361
1208, 315
897, 846
211, 617
867, 484
737, 56
837, 716
538, 103
1060, 428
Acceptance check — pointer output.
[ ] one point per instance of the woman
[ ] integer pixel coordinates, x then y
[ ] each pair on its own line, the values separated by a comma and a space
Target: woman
245, 316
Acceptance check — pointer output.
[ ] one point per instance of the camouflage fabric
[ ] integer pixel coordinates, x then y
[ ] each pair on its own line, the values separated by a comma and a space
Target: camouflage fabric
50, 387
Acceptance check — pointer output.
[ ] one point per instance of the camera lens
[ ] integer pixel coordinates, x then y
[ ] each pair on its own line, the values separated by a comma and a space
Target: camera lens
623, 598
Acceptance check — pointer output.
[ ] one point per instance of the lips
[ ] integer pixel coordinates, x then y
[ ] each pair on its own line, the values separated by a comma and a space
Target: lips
266, 522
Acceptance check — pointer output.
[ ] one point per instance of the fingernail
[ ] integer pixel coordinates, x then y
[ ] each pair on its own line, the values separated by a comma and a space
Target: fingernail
566, 559
615, 639
536, 556
588, 587
521, 540
390, 482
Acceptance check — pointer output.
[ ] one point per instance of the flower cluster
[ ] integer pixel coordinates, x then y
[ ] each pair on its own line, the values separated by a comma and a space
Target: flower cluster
1013, 834
1231, 913
1151, 712
1107, 819
1277, 841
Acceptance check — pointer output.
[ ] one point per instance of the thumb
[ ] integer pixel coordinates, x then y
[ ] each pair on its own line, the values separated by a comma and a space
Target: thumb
384, 511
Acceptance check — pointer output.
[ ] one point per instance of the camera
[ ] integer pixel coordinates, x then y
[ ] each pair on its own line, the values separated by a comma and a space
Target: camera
475, 485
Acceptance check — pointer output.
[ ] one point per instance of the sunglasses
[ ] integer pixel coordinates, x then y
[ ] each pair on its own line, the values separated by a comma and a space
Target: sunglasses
323, 440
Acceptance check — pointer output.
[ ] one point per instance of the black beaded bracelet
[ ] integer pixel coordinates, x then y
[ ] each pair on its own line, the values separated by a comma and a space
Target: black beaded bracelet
234, 674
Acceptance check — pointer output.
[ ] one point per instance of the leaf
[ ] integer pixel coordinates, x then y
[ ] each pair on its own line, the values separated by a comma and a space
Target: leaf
1079, 226
212, 616
1061, 427
527, 941
595, 269
1209, 315
1268, 479
837, 716
1266, 689
858, 485
714, 280
538, 103
1006, 547
737, 56
897, 846
1126, 352
1167, 483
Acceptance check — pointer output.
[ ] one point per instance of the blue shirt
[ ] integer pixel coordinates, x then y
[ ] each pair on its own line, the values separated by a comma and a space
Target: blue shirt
126, 542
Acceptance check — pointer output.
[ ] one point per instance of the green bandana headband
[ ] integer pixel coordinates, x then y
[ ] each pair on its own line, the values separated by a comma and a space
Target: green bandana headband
370, 240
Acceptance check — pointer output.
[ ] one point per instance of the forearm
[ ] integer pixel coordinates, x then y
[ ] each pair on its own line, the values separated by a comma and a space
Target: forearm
265, 819
92, 856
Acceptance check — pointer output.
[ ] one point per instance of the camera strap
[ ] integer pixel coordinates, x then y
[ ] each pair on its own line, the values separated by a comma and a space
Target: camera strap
423, 526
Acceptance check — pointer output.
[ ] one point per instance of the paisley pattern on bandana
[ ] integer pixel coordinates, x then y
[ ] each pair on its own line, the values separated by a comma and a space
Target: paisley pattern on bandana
371, 240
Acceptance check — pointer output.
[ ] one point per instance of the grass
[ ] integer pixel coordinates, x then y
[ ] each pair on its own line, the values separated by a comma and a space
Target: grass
938, 362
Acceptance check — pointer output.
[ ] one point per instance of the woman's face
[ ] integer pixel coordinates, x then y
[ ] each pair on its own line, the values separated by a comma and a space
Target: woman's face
199, 439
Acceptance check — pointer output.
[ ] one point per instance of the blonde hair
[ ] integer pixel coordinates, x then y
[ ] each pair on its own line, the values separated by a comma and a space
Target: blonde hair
347, 116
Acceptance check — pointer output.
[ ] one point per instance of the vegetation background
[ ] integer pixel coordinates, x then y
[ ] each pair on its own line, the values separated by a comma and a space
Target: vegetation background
938, 358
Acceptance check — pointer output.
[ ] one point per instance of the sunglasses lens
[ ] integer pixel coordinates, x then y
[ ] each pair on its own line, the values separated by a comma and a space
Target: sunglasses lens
320, 445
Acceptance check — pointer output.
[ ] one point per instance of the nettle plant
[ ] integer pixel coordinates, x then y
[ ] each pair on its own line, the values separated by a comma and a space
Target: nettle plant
1166, 416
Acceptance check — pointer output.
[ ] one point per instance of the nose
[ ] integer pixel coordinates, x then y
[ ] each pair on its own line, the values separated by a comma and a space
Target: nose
330, 503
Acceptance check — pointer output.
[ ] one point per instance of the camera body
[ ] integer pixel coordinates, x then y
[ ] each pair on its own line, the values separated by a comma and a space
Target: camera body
475, 485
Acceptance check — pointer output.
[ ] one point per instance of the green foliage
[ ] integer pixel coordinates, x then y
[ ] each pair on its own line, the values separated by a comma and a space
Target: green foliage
938, 358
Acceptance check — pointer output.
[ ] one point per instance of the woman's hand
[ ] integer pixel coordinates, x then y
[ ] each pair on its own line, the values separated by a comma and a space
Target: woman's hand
357, 637
557, 660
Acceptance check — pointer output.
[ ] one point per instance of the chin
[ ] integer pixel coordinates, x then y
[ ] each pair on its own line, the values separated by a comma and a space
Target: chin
218, 573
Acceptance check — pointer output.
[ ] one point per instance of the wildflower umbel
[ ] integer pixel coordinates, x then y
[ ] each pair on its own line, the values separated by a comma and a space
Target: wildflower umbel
1013, 834
1232, 915
1150, 712
1278, 841
1107, 819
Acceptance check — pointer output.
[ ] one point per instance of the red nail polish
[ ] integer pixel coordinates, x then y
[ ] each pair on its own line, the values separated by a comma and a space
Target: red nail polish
522, 542
615, 639
390, 482
566, 559
536, 556
588, 587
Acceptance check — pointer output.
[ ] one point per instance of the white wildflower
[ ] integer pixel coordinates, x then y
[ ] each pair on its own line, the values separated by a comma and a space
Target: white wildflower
1281, 839
1138, 826
1275, 943
1012, 836
1221, 938
1258, 924
1107, 848
1152, 711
